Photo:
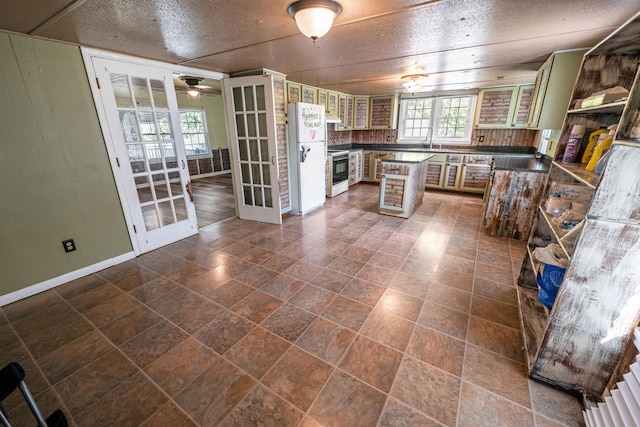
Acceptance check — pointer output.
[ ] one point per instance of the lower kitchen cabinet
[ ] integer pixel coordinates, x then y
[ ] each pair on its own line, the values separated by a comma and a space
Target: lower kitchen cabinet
435, 171
372, 165
475, 172
355, 166
458, 172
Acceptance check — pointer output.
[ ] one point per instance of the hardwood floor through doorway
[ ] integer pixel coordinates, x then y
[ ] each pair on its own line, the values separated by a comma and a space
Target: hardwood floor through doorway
214, 199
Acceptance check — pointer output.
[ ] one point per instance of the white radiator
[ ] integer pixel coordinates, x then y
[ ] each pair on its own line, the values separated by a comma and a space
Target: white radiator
622, 408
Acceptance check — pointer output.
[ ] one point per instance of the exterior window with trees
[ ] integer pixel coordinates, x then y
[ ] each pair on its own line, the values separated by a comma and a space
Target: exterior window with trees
437, 119
193, 124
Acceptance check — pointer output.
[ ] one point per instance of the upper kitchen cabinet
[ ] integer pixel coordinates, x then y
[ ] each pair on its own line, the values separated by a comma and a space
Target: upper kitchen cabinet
294, 92
505, 107
309, 94
322, 99
361, 112
383, 112
553, 88
332, 103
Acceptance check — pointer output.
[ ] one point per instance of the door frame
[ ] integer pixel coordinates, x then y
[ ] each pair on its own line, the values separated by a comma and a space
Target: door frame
121, 186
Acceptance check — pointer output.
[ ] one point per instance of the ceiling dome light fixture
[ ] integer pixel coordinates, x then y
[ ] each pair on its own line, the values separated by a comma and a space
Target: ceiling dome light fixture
414, 82
314, 17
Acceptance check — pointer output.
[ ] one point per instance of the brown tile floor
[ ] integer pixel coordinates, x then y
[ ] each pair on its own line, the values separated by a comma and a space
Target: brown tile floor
342, 317
213, 198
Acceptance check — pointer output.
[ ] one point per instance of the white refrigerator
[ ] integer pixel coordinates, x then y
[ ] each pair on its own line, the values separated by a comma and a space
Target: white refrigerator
307, 153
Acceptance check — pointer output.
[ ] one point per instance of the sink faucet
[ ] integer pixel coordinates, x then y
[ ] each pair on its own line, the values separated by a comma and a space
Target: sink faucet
429, 138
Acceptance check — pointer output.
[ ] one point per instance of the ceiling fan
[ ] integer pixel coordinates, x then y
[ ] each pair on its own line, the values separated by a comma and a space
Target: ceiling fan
193, 84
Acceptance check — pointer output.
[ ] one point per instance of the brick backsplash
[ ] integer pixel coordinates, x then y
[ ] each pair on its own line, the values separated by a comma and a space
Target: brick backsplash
492, 137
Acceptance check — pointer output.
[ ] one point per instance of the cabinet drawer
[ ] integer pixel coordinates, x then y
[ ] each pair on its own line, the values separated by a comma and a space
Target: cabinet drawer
471, 159
455, 158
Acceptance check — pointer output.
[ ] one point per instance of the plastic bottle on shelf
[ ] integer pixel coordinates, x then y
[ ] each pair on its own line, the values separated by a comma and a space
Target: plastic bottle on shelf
573, 144
602, 147
591, 144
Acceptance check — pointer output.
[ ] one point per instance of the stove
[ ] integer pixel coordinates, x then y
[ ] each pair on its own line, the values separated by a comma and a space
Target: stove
338, 171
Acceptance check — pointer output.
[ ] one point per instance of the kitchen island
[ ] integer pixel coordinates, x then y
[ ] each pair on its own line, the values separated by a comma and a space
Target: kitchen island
402, 184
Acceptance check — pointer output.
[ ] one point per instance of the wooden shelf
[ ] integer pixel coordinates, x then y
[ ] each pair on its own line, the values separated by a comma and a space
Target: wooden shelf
577, 171
554, 230
612, 107
533, 321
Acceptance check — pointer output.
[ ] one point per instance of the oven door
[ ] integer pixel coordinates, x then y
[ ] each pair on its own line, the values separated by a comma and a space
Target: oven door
340, 168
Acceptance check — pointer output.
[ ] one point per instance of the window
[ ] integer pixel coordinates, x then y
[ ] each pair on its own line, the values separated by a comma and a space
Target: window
441, 119
194, 132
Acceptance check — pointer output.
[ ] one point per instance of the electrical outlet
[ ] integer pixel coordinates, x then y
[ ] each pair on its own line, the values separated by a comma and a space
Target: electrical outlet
481, 138
69, 245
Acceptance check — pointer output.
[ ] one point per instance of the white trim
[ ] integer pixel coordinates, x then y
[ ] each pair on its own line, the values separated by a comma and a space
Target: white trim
174, 68
60, 280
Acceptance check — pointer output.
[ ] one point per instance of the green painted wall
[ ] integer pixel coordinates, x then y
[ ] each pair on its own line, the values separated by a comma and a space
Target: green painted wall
213, 107
55, 178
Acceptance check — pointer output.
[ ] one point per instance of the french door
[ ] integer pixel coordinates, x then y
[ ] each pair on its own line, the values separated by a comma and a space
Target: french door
147, 151
252, 139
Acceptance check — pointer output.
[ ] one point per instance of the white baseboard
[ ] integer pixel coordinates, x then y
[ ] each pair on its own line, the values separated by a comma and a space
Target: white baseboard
60, 280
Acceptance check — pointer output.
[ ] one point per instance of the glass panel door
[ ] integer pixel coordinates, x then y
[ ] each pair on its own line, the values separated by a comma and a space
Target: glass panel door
142, 115
251, 114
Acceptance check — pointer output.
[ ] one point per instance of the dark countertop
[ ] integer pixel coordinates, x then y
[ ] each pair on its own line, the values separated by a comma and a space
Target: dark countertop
522, 164
407, 157
423, 148
505, 158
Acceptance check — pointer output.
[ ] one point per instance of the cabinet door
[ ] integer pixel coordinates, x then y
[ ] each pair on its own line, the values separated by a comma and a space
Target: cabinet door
332, 103
367, 171
353, 163
393, 192
342, 112
322, 99
294, 92
350, 112
474, 178
452, 172
435, 174
495, 107
361, 107
452, 176
542, 79
522, 105
358, 165
383, 112
309, 94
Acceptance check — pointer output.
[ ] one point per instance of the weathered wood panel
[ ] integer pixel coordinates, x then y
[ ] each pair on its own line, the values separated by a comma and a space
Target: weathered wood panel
618, 195
513, 201
504, 137
533, 318
596, 310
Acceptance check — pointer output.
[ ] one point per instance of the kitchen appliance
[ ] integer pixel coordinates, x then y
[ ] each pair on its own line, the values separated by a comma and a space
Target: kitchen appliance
307, 151
338, 172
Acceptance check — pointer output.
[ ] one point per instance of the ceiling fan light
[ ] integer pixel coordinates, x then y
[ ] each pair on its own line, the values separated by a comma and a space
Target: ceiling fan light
193, 91
314, 17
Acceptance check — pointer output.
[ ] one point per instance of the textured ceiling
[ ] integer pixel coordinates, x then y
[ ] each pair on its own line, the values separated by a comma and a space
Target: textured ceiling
459, 43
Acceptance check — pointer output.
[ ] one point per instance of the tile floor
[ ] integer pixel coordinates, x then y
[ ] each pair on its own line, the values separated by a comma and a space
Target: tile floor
341, 317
